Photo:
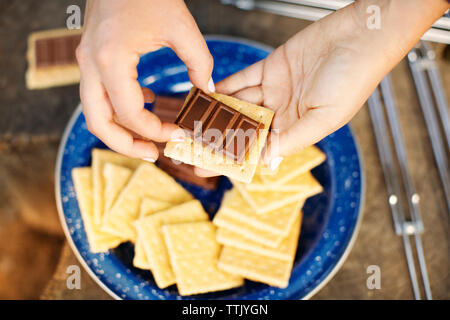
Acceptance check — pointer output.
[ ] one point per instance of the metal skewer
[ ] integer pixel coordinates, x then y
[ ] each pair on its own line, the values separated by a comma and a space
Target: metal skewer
419, 62
392, 183
436, 85
415, 226
314, 10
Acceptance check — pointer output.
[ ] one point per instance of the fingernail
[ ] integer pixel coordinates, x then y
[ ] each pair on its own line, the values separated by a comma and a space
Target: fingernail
211, 86
178, 136
275, 162
152, 160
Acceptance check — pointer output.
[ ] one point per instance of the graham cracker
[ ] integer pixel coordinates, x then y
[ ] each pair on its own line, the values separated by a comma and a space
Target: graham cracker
45, 77
277, 221
149, 230
98, 241
256, 267
194, 253
194, 153
264, 201
284, 251
147, 181
148, 207
99, 158
293, 166
115, 178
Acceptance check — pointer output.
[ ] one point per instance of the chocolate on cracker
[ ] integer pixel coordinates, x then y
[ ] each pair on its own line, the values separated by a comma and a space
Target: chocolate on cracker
51, 58
167, 109
207, 149
219, 126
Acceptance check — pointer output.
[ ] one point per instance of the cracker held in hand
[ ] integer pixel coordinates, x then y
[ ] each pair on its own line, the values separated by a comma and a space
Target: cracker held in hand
98, 241
194, 252
148, 206
194, 151
147, 181
149, 231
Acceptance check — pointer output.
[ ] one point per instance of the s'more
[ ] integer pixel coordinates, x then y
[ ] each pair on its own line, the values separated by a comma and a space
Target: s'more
51, 58
224, 135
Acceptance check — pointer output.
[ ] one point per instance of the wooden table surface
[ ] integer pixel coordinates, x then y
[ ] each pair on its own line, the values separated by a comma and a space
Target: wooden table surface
27, 113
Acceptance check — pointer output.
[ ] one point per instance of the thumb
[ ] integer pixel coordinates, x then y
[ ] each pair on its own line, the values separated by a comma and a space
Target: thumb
191, 48
312, 127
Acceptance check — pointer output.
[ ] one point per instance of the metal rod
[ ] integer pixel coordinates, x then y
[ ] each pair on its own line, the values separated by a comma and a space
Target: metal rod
313, 10
413, 197
426, 103
394, 124
392, 183
436, 85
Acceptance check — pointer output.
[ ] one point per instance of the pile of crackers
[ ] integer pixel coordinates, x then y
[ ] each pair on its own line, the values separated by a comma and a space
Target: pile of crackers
259, 223
123, 199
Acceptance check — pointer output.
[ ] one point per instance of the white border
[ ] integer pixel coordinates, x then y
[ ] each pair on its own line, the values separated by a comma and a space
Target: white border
66, 133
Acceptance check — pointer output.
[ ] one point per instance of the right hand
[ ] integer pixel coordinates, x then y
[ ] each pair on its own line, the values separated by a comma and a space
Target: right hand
115, 33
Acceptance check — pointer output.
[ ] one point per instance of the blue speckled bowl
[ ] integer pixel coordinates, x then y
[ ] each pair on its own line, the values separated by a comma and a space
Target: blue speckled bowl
330, 222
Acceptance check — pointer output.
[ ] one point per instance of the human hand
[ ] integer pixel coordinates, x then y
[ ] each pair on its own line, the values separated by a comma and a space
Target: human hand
318, 80
115, 33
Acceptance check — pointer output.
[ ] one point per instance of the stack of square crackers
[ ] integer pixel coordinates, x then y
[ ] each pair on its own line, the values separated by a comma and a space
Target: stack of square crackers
123, 199
259, 223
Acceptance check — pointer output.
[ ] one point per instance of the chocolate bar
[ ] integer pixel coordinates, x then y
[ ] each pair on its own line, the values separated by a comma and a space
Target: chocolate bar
219, 126
167, 109
56, 51
51, 58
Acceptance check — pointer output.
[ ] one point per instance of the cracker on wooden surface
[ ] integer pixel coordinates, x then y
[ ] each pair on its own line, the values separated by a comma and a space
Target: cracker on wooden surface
52, 76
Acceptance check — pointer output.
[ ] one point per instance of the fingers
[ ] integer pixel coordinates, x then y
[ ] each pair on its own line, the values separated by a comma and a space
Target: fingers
119, 78
314, 125
204, 173
253, 95
249, 77
99, 119
191, 48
